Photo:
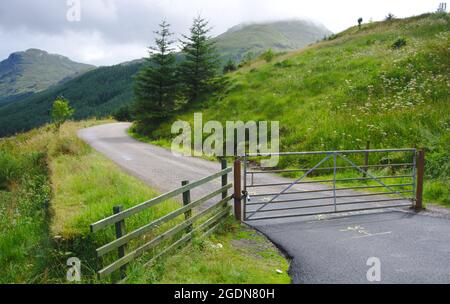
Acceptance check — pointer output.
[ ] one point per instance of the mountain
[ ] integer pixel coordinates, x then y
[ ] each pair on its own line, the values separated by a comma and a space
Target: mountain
25, 73
102, 91
281, 36
97, 93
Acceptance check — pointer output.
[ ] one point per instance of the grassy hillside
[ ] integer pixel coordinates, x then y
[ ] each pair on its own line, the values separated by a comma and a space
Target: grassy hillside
101, 92
33, 71
52, 186
339, 94
281, 36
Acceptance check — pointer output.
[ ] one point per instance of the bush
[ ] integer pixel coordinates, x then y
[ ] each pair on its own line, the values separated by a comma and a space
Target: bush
284, 64
9, 168
61, 112
268, 55
401, 42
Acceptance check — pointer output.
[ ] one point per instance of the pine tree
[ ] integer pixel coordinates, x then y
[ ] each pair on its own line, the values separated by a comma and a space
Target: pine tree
156, 84
200, 64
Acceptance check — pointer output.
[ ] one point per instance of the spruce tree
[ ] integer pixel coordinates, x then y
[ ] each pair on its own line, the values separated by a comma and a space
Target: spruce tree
156, 84
199, 68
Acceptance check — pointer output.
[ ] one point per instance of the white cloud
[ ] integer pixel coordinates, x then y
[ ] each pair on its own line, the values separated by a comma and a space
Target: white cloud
112, 31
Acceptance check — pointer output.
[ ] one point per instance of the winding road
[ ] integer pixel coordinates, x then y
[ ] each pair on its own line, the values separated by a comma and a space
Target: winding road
412, 248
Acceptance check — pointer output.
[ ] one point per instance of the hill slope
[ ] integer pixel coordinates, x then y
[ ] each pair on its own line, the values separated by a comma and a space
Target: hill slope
341, 93
33, 71
102, 91
95, 94
281, 36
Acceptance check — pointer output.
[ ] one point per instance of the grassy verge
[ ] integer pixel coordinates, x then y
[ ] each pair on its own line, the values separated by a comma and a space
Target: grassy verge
234, 255
68, 186
24, 198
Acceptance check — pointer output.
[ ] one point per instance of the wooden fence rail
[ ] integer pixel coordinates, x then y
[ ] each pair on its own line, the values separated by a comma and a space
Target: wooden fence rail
216, 213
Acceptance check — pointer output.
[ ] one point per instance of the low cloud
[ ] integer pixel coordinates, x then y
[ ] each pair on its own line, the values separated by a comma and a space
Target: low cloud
111, 31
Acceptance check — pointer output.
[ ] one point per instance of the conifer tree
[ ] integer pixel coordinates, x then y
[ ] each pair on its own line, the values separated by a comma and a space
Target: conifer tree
156, 84
199, 68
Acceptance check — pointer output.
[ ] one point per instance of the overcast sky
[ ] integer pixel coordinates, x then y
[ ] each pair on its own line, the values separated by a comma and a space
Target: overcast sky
113, 31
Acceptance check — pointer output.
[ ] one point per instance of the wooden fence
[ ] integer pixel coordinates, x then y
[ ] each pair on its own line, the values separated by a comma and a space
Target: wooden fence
208, 219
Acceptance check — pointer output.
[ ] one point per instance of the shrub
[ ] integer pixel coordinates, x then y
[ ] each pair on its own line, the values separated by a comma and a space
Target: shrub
284, 64
61, 112
9, 168
401, 42
268, 55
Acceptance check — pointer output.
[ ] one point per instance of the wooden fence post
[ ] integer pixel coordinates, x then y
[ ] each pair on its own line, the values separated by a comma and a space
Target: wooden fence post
187, 201
420, 178
120, 231
237, 190
224, 165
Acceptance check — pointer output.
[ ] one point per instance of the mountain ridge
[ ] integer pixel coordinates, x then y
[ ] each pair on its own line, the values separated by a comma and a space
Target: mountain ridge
280, 35
102, 91
34, 70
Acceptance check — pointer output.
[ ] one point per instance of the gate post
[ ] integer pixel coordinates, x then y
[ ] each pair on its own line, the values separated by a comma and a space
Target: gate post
420, 178
237, 190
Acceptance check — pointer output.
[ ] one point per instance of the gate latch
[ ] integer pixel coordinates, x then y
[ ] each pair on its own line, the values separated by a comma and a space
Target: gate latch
246, 195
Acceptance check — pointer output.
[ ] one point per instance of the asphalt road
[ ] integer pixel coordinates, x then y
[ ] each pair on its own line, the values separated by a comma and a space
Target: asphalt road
412, 248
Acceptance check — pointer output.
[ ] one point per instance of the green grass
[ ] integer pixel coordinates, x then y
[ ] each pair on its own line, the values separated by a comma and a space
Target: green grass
234, 255
24, 198
53, 186
341, 93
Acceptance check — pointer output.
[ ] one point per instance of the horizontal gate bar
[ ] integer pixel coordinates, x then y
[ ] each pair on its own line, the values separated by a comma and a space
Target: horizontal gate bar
331, 152
295, 182
325, 213
330, 205
330, 181
330, 197
329, 190
329, 168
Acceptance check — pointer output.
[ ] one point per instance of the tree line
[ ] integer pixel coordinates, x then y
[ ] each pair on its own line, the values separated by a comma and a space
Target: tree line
171, 81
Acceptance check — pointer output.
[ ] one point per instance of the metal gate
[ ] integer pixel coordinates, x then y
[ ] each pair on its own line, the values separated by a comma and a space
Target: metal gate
337, 183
